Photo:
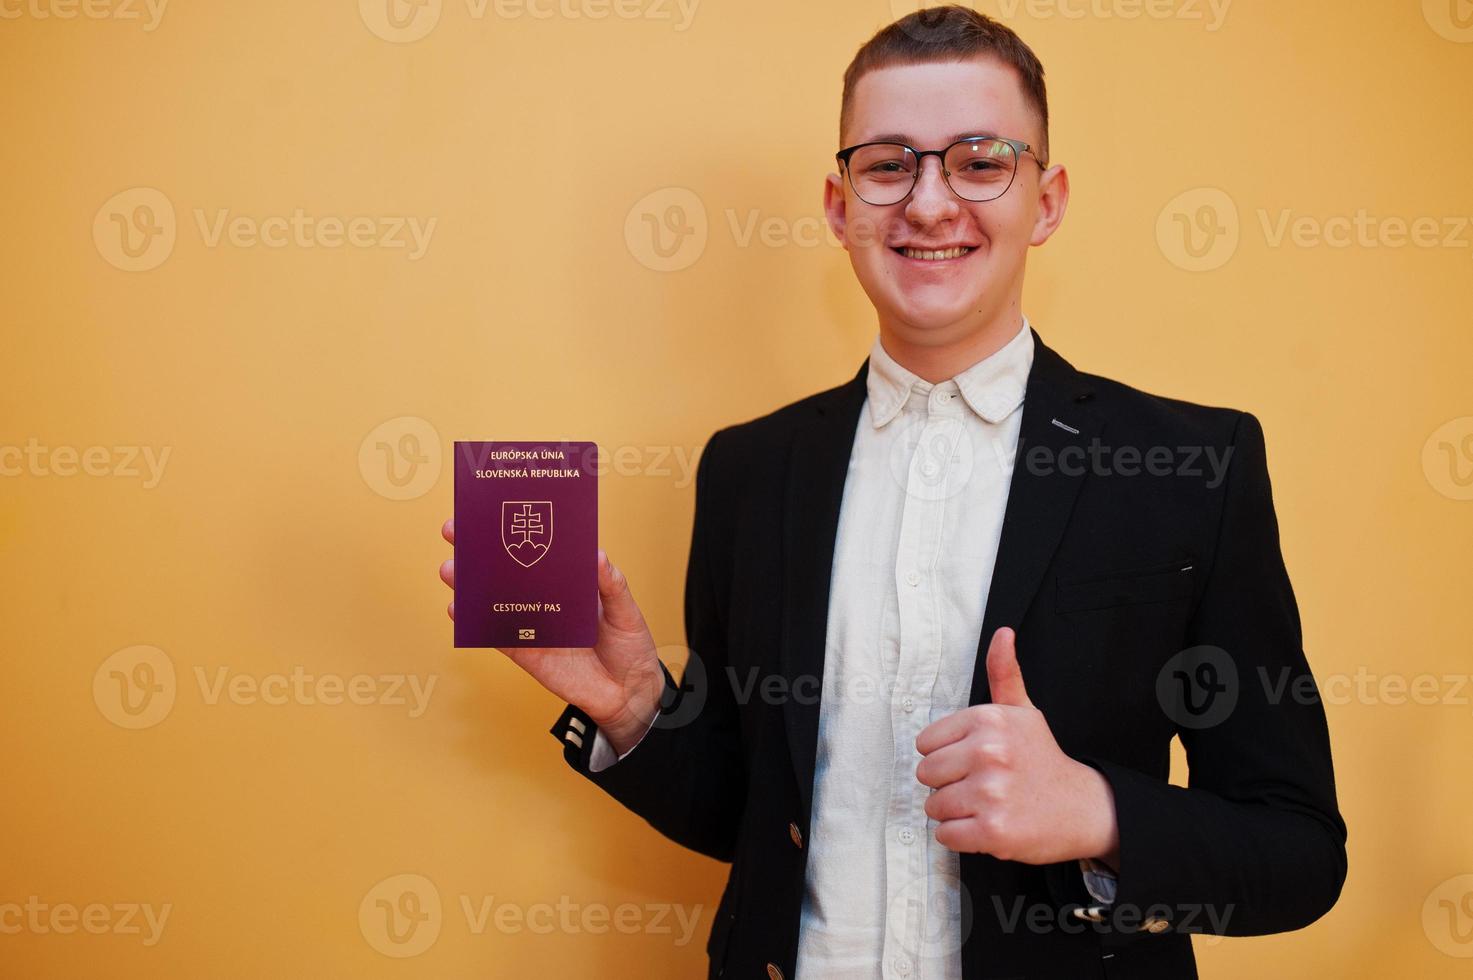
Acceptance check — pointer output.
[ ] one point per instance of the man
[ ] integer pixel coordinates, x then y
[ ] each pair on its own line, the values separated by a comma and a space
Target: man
946, 618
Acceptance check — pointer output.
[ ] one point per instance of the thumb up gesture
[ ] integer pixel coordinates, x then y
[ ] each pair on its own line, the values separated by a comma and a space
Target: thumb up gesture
1002, 786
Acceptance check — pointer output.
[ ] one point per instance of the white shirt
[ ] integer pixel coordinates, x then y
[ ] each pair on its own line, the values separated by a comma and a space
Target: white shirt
918, 533
917, 540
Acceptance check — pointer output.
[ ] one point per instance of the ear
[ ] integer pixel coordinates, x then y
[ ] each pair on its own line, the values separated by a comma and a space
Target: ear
835, 208
1053, 200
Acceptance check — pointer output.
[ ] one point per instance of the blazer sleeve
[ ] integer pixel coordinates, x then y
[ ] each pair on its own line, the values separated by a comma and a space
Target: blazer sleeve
1255, 843
687, 776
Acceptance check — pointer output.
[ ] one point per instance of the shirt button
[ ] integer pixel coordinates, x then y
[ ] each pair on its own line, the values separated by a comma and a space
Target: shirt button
902, 966
928, 468
906, 835
913, 577
908, 703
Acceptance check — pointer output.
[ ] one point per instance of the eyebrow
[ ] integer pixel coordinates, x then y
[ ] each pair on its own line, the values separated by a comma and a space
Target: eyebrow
903, 138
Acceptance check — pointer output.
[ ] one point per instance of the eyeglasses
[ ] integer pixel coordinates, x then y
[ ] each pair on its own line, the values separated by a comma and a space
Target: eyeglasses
977, 169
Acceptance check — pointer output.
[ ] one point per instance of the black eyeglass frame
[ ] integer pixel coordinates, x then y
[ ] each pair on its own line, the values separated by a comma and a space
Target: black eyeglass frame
1018, 146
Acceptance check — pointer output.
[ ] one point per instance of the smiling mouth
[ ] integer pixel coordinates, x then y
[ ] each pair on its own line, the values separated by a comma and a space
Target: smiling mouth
934, 255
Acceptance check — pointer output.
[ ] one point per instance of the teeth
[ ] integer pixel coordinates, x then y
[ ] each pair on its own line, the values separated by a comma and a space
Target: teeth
931, 256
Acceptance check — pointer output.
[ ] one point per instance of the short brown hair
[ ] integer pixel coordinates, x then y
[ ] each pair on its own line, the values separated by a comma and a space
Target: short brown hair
950, 33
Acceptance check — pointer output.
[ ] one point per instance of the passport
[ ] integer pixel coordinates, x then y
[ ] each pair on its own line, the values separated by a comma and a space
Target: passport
526, 544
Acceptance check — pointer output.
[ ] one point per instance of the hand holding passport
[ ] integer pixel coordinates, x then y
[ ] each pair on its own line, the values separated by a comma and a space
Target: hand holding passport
530, 580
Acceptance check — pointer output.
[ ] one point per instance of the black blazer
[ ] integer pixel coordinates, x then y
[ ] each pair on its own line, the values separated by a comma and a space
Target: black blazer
1148, 603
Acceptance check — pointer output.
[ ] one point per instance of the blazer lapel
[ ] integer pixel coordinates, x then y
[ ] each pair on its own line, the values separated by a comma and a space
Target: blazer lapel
817, 468
1040, 495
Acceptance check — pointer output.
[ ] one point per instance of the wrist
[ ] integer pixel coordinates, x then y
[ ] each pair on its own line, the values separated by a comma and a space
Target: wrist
1100, 830
625, 734
626, 726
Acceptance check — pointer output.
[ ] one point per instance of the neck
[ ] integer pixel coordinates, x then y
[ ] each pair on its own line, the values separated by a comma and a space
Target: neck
936, 356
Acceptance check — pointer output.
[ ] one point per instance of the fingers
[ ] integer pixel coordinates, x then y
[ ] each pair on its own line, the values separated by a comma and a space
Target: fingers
957, 761
619, 607
1004, 676
944, 731
447, 567
963, 835
951, 803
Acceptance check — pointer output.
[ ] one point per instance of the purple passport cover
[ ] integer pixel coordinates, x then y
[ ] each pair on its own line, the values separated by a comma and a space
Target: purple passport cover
526, 544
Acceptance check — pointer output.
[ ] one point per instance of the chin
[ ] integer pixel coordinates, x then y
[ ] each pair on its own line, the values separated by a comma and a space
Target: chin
928, 316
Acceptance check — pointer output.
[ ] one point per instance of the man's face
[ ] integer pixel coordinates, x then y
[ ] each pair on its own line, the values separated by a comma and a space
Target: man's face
928, 106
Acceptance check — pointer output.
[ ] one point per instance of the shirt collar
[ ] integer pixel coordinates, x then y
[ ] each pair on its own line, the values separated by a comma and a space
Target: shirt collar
992, 388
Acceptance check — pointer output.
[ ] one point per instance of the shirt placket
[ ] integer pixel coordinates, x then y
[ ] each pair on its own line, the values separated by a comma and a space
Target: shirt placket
907, 839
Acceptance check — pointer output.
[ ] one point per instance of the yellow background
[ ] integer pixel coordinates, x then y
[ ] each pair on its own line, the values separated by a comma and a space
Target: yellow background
270, 542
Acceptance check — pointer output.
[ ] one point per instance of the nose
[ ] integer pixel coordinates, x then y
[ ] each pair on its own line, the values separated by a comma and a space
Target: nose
931, 200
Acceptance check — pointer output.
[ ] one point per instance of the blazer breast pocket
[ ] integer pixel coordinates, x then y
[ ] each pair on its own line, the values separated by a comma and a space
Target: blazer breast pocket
1168, 581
